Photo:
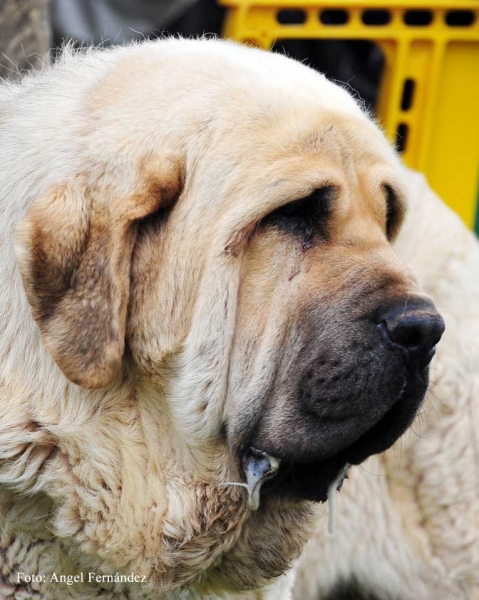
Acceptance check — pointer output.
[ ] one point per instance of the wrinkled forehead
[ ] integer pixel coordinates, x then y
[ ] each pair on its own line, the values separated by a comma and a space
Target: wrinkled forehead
292, 109
299, 140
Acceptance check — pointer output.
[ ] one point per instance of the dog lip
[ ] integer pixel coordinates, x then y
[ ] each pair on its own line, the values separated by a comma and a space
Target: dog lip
307, 481
310, 480
307, 475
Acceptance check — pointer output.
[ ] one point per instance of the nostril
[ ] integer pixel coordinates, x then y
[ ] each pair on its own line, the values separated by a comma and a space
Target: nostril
416, 330
409, 336
410, 332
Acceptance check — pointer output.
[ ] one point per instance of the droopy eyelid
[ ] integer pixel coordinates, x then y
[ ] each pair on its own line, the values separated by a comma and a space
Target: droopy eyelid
306, 216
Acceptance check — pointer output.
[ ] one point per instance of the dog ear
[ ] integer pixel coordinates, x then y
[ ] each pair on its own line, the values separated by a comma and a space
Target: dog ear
74, 250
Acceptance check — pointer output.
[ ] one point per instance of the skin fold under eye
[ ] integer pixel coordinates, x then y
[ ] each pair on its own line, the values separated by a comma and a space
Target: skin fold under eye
306, 218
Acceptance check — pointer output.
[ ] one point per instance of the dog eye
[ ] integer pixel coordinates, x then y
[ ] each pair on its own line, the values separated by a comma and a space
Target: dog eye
306, 217
392, 212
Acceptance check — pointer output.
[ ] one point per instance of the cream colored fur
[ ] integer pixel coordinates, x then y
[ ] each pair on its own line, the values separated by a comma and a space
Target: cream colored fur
408, 521
131, 475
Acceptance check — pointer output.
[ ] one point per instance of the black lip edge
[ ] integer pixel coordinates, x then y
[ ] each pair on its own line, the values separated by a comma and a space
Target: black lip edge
286, 483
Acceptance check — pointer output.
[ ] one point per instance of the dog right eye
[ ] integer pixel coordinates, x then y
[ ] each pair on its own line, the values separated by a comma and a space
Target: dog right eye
307, 217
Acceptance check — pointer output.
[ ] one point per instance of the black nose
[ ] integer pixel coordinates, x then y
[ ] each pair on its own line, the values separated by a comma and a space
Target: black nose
416, 326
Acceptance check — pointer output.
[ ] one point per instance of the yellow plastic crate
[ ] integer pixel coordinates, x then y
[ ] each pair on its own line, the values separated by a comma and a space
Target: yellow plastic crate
429, 94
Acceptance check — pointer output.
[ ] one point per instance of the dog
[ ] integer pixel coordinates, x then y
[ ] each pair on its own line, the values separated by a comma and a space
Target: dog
203, 320
406, 523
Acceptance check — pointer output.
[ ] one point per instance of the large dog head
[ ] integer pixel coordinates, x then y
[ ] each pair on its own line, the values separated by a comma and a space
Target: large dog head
216, 241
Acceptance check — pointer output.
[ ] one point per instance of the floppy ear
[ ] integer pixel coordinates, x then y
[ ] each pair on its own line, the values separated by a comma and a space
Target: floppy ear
74, 251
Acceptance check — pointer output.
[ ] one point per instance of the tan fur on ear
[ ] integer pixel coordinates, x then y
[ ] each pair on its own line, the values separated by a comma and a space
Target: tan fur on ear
74, 248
